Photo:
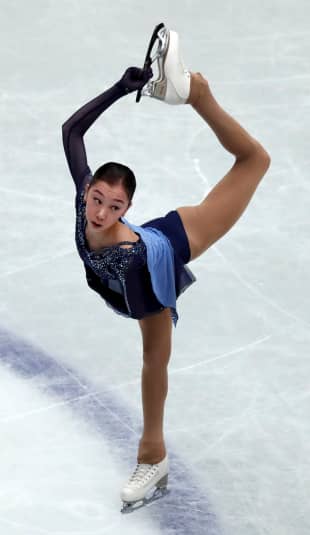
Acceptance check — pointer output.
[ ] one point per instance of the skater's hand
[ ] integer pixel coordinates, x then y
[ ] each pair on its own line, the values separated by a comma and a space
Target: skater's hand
134, 78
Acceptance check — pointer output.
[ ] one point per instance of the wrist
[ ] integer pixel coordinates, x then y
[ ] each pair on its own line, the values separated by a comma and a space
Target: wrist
121, 88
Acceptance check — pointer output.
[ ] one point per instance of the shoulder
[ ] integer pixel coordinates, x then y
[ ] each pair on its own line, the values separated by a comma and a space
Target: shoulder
125, 233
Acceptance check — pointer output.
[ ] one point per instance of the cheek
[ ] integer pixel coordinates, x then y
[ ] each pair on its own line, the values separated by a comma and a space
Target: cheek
88, 209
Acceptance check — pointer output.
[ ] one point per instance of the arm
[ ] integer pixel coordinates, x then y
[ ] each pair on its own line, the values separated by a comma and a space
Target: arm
74, 128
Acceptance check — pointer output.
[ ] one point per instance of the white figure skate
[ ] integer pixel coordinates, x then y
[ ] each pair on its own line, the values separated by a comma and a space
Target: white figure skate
173, 83
139, 491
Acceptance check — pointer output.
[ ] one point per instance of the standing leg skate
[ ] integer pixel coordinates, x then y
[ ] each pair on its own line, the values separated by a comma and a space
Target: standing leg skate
173, 82
139, 491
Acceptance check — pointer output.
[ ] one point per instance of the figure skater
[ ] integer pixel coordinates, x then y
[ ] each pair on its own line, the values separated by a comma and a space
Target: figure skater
140, 271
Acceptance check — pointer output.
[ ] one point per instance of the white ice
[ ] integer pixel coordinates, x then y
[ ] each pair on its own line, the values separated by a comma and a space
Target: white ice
237, 414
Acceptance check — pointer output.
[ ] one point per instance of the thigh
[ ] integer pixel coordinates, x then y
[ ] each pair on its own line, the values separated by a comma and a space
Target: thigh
156, 333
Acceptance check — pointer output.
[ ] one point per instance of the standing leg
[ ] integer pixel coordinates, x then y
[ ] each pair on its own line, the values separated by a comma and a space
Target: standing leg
156, 334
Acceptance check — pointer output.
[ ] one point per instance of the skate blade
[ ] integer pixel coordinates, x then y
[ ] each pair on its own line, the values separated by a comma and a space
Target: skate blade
160, 37
157, 88
162, 45
130, 507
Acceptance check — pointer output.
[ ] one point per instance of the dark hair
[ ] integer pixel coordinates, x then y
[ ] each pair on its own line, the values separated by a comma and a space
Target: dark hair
116, 173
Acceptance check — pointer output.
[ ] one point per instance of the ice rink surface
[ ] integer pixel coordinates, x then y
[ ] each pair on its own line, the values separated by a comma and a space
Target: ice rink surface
237, 414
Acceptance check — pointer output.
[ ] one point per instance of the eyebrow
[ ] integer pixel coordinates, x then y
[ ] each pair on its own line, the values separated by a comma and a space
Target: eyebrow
117, 200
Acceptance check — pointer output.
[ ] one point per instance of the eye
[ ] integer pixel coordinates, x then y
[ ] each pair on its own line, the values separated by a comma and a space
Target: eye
115, 207
96, 199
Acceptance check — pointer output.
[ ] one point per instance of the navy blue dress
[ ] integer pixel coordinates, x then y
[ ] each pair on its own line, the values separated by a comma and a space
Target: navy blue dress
118, 274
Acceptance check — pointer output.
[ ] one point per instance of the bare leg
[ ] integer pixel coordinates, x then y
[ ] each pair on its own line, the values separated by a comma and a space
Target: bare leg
208, 221
156, 333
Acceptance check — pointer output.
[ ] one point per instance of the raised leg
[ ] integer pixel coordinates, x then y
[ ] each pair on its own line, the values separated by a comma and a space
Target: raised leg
208, 221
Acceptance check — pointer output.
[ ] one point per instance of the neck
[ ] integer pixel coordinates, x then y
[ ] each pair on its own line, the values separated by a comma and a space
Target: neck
106, 237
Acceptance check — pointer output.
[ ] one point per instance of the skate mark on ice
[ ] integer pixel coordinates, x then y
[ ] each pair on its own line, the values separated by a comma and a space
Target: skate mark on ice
186, 508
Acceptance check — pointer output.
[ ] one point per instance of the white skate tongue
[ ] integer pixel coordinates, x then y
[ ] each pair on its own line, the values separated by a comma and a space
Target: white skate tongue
140, 472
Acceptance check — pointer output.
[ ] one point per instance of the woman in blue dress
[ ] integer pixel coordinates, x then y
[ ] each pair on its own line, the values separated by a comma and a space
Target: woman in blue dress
140, 271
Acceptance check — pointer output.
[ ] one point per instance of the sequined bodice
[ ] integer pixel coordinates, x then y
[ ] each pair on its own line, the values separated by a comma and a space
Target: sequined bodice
111, 262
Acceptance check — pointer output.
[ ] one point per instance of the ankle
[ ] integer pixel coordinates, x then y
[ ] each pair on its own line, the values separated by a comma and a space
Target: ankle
198, 86
151, 452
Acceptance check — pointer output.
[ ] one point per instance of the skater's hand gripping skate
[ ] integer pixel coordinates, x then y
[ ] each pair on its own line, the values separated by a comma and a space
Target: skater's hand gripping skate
134, 78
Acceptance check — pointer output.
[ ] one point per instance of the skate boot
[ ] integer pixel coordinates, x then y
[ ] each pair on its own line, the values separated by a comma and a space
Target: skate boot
173, 83
139, 491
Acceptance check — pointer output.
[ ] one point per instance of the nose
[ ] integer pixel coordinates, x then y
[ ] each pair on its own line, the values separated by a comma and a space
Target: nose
101, 214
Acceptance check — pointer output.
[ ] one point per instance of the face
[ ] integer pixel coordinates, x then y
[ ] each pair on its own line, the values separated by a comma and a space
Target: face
105, 204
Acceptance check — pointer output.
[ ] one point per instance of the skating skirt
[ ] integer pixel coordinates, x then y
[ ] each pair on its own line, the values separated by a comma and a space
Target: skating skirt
171, 225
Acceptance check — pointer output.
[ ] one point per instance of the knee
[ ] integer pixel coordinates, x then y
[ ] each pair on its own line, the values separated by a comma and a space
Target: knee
156, 359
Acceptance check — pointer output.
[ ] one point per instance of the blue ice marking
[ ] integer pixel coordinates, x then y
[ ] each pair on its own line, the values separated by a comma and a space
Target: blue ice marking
186, 509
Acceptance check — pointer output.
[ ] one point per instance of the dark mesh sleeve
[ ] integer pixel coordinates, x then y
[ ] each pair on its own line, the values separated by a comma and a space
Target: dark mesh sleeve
75, 127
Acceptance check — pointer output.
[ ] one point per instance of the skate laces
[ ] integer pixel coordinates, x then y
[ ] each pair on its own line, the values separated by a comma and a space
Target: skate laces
142, 474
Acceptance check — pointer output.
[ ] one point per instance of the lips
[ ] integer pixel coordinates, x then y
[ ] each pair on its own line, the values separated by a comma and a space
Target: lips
96, 225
